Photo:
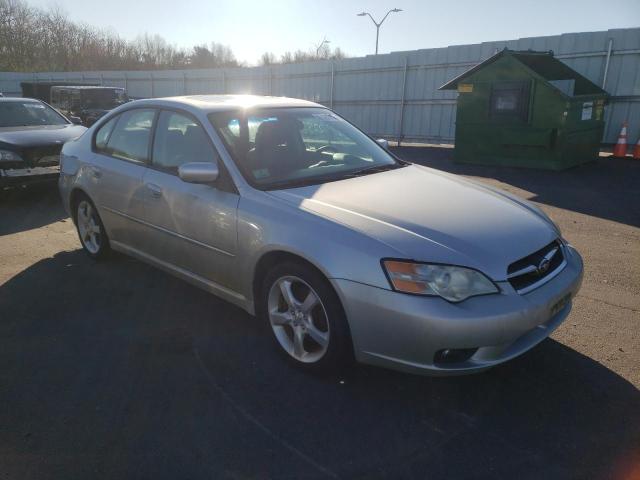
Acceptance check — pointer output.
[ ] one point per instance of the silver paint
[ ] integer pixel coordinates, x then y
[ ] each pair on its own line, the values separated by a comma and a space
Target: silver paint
214, 239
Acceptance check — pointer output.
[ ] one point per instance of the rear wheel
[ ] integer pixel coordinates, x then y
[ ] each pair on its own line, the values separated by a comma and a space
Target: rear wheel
90, 229
306, 318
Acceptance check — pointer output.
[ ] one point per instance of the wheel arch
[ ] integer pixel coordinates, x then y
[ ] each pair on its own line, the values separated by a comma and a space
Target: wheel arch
273, 257
74, 198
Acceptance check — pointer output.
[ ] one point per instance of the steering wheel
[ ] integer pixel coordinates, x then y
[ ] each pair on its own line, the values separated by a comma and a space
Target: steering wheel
326, 148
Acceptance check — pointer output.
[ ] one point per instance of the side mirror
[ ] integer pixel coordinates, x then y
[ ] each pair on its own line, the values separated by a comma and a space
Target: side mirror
76, 120
198, 172
383, 143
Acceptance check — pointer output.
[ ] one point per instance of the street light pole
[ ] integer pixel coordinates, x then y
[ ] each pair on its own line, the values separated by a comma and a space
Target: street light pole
323, 42
379, 24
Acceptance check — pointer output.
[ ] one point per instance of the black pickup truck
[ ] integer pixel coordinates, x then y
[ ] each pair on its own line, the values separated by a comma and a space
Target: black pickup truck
31, 137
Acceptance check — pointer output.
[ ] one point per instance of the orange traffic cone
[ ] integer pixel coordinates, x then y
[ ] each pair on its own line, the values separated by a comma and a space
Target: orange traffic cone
620, 150
636, 150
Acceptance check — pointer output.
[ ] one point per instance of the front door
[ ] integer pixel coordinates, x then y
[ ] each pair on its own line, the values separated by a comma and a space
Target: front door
194, 225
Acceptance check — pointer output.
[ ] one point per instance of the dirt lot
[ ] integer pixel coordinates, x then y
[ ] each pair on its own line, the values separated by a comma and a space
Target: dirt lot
117, 370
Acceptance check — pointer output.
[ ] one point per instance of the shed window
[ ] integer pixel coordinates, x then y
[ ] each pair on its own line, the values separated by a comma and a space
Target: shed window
510, 100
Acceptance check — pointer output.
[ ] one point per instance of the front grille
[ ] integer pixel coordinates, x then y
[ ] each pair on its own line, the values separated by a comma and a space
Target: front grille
524, 274
43, 156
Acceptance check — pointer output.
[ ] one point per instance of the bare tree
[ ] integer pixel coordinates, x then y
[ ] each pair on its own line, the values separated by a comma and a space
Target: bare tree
33, 39
212, 56
324, 52
268, 58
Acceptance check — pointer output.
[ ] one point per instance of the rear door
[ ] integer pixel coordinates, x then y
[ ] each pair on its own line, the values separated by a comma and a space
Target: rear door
122, 149
195, 224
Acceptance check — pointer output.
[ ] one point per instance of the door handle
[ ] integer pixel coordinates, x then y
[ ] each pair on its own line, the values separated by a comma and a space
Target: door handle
154, 190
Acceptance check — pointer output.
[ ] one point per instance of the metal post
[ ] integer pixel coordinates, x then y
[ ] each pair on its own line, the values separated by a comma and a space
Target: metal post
379, 24
404, 90
333, 79
270, 81
606, 64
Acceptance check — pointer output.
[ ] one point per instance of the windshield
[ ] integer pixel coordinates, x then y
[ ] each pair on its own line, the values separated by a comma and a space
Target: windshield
289, 147
28, 113
103, 99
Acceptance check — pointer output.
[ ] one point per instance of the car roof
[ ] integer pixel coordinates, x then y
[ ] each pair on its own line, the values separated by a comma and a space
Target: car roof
213, 103
20, 99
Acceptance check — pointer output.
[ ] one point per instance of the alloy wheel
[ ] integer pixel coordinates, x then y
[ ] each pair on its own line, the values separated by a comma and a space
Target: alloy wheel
88, 227
298, 319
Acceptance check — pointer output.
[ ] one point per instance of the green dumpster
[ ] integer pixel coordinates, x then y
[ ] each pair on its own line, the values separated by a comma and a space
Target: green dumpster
527, 109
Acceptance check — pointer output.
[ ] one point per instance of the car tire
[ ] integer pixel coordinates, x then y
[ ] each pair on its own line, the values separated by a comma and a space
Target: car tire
306, 318
91, 231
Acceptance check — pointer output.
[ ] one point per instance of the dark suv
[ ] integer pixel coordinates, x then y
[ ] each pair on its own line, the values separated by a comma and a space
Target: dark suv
87, 102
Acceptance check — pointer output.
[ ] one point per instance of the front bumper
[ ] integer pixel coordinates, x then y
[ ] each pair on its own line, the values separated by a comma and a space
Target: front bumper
405, 332
10, 177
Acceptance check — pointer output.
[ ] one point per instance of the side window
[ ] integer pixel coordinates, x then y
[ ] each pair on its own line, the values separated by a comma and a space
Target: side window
103, 134
63, 99
75, 99
130, 137
180, 139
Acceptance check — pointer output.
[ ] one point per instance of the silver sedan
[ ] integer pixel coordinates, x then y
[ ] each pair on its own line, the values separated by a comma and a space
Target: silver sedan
287, 210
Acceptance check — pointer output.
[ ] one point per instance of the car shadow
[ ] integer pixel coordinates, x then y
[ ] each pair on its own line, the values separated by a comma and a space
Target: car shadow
606, 188
117, 370
33, 206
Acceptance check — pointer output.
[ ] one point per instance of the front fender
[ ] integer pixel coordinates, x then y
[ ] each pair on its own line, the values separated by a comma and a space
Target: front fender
266, 224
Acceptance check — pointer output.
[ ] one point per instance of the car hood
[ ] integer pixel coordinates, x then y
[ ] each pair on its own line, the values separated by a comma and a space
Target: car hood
95, 111
39, 135
427, 215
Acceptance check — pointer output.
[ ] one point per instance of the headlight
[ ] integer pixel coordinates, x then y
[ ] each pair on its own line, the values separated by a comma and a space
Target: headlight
9, 156
454, 284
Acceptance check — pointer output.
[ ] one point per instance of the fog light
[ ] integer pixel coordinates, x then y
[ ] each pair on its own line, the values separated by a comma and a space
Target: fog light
453, 355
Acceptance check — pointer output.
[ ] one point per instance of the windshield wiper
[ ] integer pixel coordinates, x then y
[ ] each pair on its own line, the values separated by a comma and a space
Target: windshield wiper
376, 169
302, 182
333, 177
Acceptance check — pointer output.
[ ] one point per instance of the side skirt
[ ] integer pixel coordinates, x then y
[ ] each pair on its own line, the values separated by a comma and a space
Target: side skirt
224, 293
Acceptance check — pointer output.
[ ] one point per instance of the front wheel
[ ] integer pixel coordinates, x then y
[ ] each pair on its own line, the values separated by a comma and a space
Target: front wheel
306, 318
91, 230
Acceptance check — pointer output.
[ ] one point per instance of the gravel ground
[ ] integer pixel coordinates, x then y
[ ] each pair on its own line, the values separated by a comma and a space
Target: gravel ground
116, 370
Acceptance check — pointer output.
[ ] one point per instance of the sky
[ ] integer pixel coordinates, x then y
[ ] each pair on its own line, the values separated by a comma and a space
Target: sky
251, 27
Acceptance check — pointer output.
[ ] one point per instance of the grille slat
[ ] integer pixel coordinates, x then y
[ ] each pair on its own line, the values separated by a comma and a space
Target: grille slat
534, 268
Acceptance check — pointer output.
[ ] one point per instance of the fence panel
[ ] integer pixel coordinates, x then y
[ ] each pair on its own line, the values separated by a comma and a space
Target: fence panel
392, 95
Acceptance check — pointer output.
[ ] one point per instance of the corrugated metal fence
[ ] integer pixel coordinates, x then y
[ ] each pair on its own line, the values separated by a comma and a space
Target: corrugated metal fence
393, 95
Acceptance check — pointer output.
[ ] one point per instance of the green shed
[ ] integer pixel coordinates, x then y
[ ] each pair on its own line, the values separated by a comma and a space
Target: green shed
527, 109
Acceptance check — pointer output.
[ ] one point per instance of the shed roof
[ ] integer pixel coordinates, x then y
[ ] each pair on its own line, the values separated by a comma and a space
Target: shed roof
543, 64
